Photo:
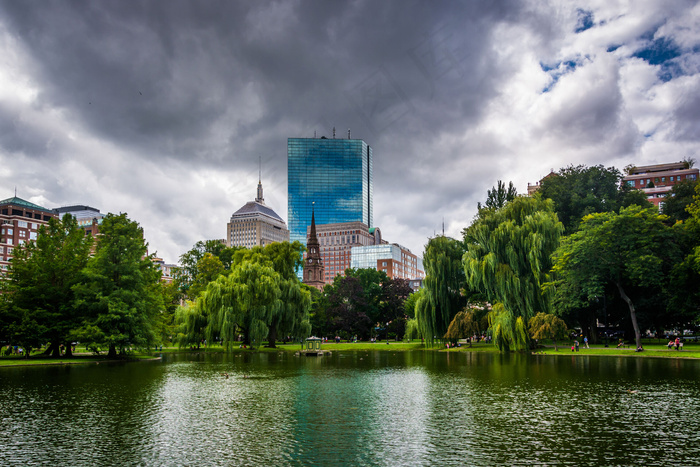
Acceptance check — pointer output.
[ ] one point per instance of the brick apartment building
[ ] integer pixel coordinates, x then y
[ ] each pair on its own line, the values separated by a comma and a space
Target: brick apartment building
657, 180
19, 222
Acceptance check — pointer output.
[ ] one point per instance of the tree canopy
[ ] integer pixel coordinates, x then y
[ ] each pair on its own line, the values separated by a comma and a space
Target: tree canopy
579, 190
508, 259
39, 294
120, 294
631, 249
444, 284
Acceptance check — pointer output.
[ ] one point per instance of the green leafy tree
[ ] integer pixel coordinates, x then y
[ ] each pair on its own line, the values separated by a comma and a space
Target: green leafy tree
547, 326
192, 323
627, 250
120, 293
579, 190
508, 259
498, 196
40, 296
678, 199
246, 300
188, 271
466, 323
441, 297
260, 298
209, 267
685, 276
285, 258
409, 305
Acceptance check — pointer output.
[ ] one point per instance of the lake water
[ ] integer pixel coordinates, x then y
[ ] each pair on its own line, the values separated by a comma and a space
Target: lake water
357, 408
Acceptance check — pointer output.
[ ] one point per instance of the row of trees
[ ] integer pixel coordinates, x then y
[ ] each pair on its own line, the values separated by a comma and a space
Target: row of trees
58, 293
586, 249
255, 293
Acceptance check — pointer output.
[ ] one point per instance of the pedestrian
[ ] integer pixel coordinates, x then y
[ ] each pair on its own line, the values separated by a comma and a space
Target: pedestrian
576, 344
585, 342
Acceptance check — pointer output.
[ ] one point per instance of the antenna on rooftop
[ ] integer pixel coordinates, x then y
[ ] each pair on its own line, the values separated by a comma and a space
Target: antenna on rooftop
333, 132
348, 133
259, 168
443, 226
314, 133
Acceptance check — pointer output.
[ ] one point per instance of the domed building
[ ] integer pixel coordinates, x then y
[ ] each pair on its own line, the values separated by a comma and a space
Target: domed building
256, 224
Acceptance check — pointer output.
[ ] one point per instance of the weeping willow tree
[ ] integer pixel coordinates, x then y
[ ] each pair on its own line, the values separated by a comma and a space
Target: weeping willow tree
508, 259
412, 331
465, 323
441, 296
295, 300
546, 326
247, 299
191, 324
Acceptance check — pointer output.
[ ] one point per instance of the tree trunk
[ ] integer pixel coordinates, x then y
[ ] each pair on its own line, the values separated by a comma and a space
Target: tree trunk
555, 345
69, 351
272, 337
112, 351
52, 350
633, 314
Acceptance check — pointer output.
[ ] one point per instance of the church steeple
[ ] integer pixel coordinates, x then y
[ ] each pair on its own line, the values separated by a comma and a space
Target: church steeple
313, 266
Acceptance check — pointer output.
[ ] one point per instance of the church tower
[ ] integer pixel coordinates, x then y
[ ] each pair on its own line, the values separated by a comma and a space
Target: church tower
313, 265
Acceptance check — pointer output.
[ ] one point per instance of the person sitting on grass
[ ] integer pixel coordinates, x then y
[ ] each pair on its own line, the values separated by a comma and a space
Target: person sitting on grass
670, 344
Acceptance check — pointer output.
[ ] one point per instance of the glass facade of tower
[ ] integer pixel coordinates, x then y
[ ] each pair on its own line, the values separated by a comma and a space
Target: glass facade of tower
336, 175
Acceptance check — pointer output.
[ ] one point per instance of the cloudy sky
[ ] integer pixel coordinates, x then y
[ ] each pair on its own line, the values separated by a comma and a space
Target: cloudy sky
163, 109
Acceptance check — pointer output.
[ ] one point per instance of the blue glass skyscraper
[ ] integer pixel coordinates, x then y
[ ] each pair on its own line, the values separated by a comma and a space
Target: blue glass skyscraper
336, 175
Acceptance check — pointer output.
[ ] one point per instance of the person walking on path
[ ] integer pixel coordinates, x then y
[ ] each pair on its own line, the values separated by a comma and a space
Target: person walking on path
576, 345
585, 342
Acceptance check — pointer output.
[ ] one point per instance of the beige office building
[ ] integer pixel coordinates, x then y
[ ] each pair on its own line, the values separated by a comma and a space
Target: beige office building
256, 224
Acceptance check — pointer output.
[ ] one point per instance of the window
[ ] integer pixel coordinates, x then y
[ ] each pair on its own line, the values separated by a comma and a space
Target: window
692, 177
672, 178
630, 182
22, 224
663, 179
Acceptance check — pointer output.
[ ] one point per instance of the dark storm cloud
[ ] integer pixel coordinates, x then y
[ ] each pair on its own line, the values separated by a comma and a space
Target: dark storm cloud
164, 109
157, 75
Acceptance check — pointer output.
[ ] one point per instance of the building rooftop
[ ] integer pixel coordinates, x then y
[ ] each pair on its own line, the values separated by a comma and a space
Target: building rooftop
21, 202
253, 207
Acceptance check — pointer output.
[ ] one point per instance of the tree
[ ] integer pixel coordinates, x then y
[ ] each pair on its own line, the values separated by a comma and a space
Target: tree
209, 267
678, 199
498, 196
348, 307
119, 293
444, 282
186, 274
579, 190
547, 326
685, 276
508, 259
261, 296
285, 258
629, 249
40, 288
246, 299
466, 323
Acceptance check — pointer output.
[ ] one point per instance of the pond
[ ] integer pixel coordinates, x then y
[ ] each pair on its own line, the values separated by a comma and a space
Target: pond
354, 408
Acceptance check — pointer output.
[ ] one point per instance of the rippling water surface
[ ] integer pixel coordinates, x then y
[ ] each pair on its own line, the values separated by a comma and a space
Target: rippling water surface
363, 408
